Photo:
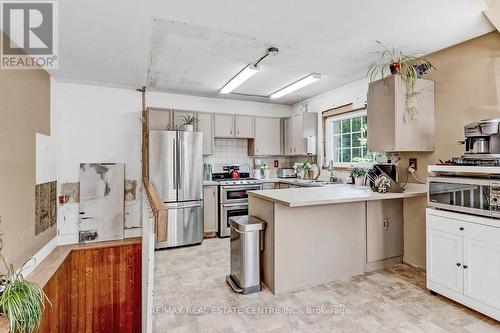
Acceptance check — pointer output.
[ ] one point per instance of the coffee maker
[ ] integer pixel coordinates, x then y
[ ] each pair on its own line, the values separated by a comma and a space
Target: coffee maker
482, 138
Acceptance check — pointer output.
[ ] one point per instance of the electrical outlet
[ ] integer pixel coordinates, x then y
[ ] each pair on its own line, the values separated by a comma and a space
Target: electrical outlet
413, 163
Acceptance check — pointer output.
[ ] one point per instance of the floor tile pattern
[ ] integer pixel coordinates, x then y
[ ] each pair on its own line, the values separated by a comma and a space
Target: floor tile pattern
191, 295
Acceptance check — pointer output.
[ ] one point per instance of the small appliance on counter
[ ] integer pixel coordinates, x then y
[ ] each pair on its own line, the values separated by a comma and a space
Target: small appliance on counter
286, 173
482, 144
207, 171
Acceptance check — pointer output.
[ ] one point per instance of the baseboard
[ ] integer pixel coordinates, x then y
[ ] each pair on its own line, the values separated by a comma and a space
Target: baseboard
208, 235
372, 266
420, 268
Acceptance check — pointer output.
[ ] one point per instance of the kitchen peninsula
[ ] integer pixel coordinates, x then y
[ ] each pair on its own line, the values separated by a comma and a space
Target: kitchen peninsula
320, 234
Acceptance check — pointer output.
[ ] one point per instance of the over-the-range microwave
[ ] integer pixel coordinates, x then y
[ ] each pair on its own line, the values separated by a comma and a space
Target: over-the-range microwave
479, 196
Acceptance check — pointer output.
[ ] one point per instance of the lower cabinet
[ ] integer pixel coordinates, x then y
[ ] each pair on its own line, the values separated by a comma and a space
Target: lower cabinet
384, 229
463, 259
210, 206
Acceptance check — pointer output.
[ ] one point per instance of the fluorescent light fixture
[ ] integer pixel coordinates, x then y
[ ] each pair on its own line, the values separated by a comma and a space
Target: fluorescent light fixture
296, 85
239, 78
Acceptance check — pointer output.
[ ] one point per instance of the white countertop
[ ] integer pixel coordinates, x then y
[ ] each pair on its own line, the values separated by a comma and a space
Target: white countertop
293, 181
332, 194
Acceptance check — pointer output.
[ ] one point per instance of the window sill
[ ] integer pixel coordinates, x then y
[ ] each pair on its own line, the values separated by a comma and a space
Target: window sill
348, 166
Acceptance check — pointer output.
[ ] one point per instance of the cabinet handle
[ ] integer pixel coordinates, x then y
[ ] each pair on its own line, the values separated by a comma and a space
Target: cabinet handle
388, 224
385, 224
459, 264
465, 266
238, 131
461, 228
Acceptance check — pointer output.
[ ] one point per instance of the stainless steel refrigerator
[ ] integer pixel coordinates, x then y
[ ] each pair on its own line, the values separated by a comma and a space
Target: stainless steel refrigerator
176, 171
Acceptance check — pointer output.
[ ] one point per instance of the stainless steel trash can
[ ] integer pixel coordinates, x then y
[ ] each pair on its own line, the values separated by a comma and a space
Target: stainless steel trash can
245, 247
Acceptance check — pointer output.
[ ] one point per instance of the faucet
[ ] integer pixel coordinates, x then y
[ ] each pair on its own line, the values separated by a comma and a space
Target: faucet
333, 179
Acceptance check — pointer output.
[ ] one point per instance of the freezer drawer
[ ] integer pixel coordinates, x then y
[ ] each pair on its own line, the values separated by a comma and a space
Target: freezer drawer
185, 224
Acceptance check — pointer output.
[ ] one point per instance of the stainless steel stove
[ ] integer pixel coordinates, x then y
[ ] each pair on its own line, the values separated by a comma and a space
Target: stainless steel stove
234, 183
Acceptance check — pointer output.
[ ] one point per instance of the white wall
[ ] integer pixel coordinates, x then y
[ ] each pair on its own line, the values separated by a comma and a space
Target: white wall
93, 123
355, 92
218, 105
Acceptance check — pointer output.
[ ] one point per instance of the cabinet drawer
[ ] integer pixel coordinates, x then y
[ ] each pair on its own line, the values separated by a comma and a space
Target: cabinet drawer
463, 228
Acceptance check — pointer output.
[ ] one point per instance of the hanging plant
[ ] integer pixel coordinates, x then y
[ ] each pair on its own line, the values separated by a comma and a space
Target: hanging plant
409, 67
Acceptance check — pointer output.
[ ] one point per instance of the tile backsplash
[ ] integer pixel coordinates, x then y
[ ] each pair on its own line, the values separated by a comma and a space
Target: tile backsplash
233, 151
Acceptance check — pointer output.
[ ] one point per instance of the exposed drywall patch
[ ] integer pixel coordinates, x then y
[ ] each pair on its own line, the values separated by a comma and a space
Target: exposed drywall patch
71, 192
130, 189
45, 206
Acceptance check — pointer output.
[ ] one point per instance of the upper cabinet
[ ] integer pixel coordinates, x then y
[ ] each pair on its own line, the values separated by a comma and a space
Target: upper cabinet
206, 126
233, 126
224, 125
297, 129
243, 126
178, 117
397, 122
267, 140
159, 119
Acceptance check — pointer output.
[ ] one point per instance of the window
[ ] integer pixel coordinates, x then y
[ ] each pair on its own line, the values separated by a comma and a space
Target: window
345, 139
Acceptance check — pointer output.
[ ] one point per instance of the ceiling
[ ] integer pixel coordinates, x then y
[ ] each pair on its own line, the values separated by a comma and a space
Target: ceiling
195, 47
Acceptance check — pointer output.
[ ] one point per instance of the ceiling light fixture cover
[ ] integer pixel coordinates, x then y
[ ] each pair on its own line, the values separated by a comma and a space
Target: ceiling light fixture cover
296, 85
239, 78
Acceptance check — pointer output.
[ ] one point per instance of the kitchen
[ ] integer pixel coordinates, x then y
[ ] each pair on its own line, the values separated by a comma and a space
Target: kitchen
285, 168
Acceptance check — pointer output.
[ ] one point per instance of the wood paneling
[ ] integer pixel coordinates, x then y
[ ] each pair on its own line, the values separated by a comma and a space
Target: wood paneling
96, 290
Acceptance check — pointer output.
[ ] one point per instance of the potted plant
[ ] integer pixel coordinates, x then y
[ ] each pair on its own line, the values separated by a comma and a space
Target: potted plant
358, 175
21, 300
409, 67
188, 123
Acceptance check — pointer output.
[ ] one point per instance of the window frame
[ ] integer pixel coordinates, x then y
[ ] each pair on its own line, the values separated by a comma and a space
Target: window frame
344, 112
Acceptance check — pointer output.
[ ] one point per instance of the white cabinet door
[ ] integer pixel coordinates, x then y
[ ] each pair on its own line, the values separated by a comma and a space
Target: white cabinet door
289, 139
179, 115
205, 125
444, 259
210, 208
243, 126
224, 125
267, 136
481, 269
384, 229
299, 142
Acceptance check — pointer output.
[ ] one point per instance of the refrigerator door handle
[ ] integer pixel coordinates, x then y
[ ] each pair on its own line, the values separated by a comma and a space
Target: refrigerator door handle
180, 174
174, 142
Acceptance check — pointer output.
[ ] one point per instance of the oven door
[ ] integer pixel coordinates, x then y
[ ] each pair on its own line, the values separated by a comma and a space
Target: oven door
467, 195
237, 193
226, 212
